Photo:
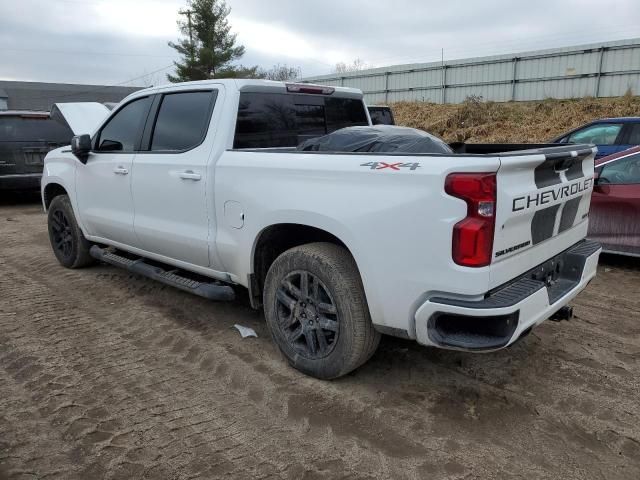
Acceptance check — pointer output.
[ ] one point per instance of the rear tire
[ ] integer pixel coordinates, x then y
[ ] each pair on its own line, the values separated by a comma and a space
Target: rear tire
317, 311
69, 245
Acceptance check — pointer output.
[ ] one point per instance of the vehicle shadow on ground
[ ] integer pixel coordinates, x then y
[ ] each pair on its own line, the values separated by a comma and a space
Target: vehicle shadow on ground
619, 261
19, 197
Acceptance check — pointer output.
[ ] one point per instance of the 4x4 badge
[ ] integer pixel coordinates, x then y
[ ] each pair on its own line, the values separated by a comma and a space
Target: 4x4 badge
391, 166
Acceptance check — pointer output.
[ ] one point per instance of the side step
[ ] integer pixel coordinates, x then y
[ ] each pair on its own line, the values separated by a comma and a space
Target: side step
212, 291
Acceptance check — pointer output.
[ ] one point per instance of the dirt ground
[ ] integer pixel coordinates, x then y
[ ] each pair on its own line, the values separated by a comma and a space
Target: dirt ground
107, 375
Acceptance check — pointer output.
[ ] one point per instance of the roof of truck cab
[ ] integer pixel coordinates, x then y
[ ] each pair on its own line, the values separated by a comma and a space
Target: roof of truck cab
238, 84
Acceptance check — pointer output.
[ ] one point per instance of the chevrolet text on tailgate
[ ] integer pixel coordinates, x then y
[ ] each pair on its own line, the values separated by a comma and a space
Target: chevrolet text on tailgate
199, 186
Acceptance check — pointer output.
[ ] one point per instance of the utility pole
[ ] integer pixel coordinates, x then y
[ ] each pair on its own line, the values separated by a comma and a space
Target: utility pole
188, 13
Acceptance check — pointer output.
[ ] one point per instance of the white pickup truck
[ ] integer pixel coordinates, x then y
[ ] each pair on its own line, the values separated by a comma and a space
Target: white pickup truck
196, 185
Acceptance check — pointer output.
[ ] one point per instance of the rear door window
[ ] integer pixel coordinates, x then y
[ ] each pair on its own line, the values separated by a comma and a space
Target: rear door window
182, 121
268, 120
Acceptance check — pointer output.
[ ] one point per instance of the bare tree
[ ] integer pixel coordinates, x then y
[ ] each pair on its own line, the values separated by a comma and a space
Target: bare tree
281, 73
355, 66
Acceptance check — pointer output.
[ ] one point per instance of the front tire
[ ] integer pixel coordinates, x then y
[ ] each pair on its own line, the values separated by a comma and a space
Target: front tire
317, 311
69, 245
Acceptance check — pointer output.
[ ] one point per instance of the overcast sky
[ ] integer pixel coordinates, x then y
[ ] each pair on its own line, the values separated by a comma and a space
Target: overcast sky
125, 41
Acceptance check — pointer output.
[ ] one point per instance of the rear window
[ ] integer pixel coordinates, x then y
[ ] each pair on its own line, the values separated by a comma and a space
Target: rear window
34, 129
284, 120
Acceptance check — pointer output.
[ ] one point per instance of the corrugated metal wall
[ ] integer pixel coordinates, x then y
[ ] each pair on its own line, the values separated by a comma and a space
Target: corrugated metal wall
600, 70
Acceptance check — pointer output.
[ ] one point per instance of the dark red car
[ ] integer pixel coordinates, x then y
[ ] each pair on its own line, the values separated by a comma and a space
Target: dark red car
614, 220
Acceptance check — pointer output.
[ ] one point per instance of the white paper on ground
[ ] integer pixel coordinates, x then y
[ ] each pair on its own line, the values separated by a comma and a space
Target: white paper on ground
246, 331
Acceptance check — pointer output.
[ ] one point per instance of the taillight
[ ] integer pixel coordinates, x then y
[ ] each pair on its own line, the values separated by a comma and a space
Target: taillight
309, 88
473, 236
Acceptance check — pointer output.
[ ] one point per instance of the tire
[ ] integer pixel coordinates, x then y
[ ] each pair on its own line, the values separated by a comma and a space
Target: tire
324, 330
67, 240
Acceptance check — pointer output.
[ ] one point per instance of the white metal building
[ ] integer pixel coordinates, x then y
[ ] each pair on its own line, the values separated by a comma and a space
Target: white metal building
600, 70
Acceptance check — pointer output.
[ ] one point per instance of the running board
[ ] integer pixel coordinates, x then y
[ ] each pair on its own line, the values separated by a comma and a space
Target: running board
212, 290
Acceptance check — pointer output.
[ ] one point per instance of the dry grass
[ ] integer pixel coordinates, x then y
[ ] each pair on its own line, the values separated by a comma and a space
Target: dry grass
478, 121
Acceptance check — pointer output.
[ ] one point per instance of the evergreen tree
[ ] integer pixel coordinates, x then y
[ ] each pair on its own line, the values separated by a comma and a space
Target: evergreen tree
209, 48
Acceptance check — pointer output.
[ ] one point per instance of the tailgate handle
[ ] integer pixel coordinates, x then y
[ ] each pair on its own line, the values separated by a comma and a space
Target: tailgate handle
562, 164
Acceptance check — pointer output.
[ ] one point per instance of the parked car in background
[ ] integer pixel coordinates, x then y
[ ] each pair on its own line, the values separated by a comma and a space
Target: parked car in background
610, 135
614, 220
27, 136
381, 115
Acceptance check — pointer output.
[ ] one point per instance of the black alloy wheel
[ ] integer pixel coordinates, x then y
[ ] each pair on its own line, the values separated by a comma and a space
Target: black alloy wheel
62, 234
307, 314
69, 245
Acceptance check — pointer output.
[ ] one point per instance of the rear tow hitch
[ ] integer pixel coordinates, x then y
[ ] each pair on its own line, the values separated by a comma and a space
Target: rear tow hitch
565, 313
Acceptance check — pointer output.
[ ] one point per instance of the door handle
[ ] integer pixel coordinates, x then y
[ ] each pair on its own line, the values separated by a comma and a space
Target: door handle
190, 175
120, 170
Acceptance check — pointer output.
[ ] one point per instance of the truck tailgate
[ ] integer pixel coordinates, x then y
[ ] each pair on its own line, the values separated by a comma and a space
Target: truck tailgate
542, 207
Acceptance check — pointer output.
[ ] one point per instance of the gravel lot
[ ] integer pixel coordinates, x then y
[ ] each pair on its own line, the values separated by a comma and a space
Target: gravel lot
107, 375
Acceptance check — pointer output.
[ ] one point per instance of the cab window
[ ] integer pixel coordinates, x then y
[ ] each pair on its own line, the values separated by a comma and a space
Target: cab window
123, 130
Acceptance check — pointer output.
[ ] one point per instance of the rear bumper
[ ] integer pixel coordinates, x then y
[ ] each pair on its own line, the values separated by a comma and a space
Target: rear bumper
509, 312
23, 181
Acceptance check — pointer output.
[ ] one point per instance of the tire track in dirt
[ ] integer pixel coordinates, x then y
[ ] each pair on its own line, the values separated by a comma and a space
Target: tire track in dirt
69, 328
341, 427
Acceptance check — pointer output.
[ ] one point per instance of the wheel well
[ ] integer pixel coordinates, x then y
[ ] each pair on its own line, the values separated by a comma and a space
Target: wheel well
51, 191
275, 240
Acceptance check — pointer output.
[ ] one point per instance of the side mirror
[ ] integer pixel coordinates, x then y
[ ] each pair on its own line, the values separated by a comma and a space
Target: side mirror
80, 147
